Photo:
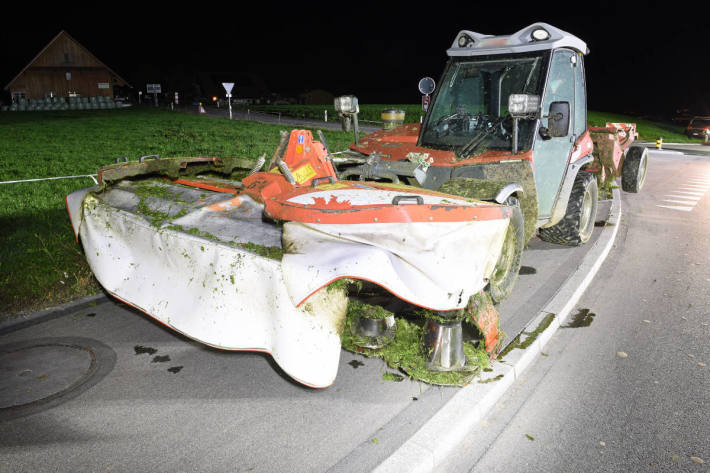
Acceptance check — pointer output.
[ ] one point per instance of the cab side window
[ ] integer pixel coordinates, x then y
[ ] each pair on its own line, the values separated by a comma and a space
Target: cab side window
580, 99
560, 84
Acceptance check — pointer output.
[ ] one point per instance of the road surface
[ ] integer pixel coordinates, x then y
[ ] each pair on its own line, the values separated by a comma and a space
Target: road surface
628, 387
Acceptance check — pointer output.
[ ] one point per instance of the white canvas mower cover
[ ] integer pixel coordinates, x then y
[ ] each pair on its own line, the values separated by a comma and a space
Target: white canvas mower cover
246, 265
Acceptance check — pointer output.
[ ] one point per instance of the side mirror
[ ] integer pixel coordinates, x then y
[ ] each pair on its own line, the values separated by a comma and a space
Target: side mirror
427, 86
558, 119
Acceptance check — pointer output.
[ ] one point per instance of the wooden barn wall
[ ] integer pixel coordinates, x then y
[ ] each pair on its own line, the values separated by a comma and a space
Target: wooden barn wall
47, 73
37, 83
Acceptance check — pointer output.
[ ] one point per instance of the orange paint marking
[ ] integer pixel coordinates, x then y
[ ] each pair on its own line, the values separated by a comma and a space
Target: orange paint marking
226, 205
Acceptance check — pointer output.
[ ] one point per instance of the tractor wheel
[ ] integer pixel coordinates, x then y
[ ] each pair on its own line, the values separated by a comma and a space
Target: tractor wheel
507, 268
633, 171
577, 225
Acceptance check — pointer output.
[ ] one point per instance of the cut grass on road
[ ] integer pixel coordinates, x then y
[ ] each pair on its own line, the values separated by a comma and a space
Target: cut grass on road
40, 262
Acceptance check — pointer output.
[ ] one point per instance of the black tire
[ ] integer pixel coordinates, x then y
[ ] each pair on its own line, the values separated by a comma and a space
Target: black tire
633, 171
507, 268
577, 225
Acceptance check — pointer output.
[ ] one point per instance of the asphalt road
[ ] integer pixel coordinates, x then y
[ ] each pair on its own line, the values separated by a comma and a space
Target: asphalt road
160, 402
628, 389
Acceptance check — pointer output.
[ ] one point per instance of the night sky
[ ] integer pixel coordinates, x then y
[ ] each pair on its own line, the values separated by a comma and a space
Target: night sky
645, 58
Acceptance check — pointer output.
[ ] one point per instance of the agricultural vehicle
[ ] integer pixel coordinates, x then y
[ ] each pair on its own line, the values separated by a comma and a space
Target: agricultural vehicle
508, 124
311, 251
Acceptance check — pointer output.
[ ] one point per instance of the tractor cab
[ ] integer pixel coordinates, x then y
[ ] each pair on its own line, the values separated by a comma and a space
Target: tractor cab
518, 94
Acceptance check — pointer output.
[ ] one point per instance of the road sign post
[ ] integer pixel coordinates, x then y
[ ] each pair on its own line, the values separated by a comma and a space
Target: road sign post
228, 87
155, 90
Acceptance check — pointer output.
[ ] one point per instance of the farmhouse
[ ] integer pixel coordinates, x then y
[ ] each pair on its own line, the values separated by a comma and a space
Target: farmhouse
64, 68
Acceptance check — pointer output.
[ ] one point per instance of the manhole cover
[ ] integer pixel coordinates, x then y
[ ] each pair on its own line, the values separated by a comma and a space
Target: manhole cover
38, 374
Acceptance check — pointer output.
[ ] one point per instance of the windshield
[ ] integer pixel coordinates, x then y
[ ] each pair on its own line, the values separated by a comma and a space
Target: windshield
470, 111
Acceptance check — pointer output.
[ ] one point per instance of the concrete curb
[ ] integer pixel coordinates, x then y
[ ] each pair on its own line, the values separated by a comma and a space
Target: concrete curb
439, 437
20, 321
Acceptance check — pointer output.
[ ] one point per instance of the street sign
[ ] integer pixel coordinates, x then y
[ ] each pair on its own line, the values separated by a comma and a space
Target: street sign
153, 88
228, 87
425, 102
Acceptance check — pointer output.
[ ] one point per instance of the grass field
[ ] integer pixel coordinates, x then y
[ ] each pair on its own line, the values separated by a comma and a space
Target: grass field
648, 130
40, 263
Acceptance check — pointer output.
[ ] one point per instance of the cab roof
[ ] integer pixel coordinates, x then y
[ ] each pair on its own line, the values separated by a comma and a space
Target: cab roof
536, 37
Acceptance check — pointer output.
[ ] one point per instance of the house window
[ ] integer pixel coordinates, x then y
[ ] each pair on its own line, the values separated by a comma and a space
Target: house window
68, 75
67, 58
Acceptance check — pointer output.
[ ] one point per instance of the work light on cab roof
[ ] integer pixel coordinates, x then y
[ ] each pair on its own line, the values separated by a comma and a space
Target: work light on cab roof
536, 37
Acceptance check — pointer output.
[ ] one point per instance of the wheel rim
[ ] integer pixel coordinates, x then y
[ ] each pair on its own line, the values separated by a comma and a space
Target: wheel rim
586, 223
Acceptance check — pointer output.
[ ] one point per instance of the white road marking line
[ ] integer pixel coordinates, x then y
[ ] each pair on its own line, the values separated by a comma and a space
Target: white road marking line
676, 207
688, 197
696, 189
690, 192
686, 202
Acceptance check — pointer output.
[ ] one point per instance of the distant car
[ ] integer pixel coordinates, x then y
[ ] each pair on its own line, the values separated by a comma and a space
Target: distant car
698, 126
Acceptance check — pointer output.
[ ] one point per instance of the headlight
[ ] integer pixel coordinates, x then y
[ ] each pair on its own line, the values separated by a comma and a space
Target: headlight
540, 34
346, 104
465, 41
523, 105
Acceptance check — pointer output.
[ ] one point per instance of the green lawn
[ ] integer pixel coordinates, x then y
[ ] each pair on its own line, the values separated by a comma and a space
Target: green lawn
40, 263
648, 130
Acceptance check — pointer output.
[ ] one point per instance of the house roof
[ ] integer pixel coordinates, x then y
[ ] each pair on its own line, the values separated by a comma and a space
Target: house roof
59, 35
